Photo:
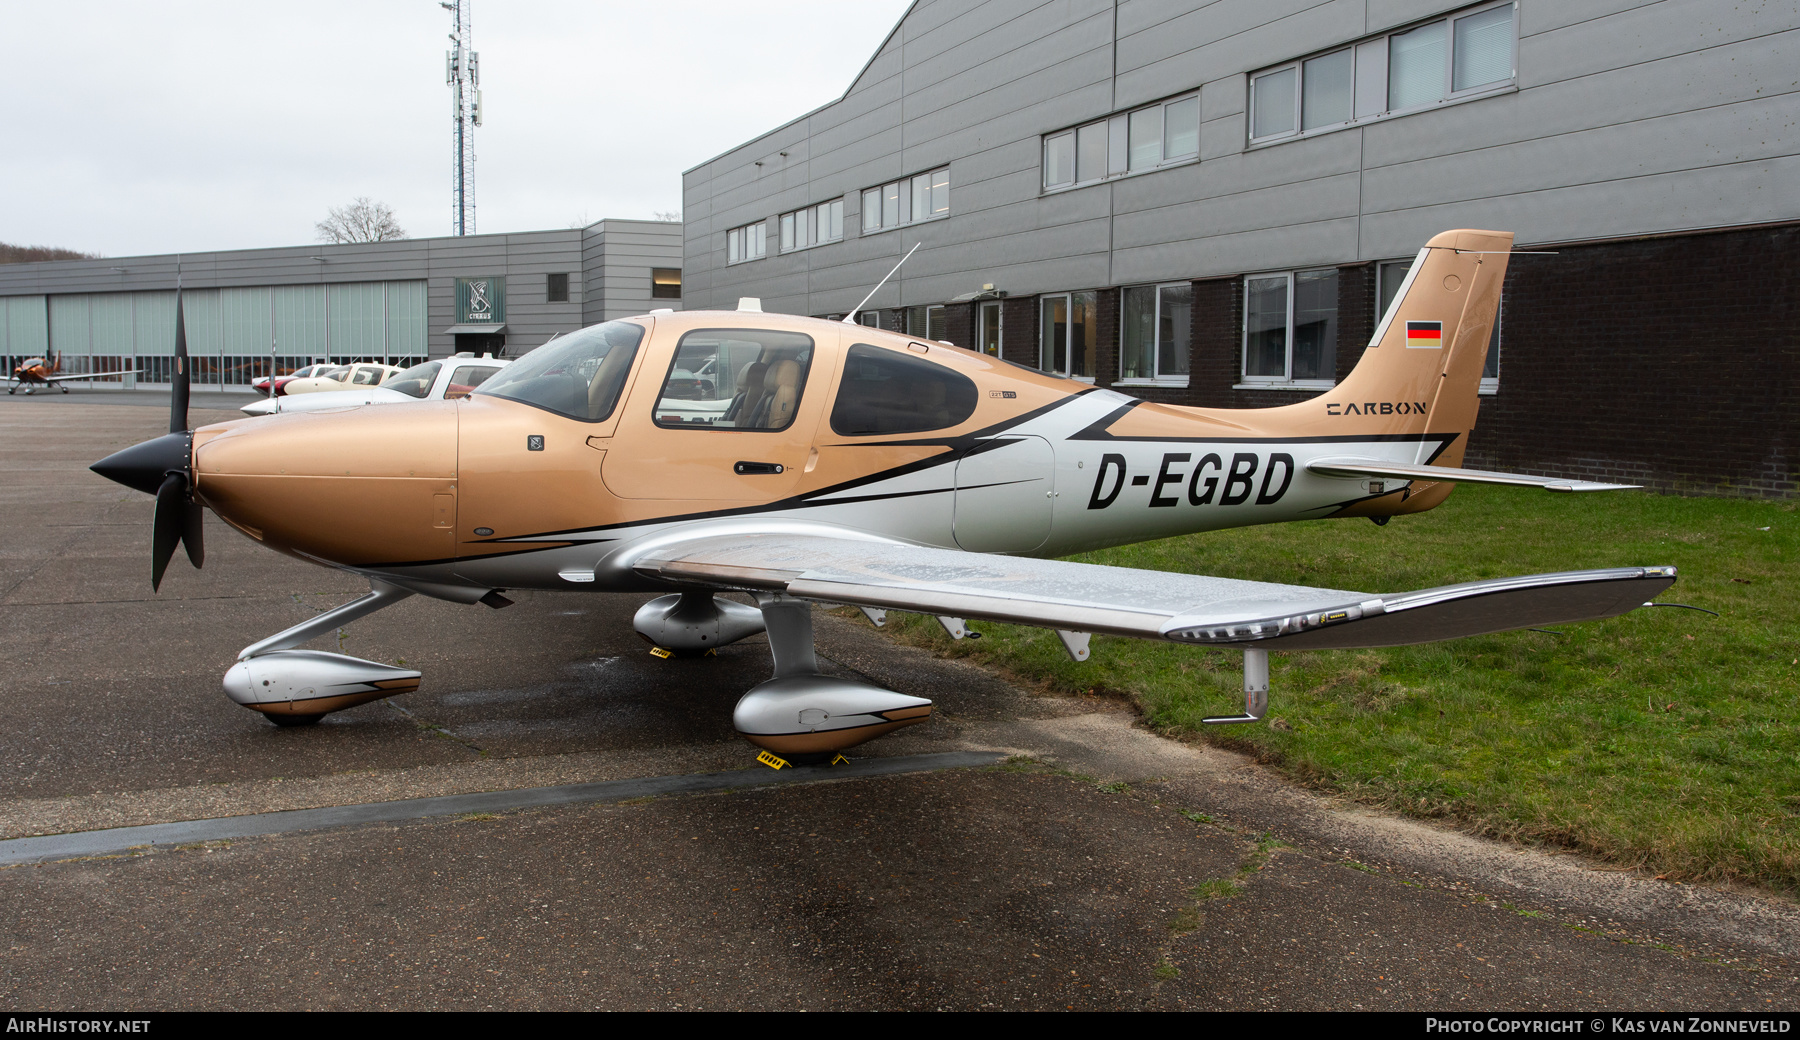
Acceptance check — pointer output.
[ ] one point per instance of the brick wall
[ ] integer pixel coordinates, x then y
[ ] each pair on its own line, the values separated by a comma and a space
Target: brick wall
1357, 299
1106, 338
1019, 337
1672, 362
959, 324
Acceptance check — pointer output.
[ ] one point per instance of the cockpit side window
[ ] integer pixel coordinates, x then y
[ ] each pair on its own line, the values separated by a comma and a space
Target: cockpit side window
579, 375
415, 381
466, 378
735, 379
888, 392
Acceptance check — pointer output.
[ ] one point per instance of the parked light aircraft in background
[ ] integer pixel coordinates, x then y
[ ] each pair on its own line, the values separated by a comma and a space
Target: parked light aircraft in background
35, 372
807, 461
447, 380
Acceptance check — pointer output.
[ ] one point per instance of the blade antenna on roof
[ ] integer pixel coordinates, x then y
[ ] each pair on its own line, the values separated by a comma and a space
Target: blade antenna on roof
850, 319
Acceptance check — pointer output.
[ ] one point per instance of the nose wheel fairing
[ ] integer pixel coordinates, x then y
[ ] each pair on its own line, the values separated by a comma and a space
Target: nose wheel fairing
313, 682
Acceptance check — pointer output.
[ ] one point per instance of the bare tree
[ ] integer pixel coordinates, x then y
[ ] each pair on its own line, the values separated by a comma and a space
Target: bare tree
361, 221
670, 216
11, 254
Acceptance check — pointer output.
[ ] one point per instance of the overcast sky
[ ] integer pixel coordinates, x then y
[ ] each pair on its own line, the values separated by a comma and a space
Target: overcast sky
155, 128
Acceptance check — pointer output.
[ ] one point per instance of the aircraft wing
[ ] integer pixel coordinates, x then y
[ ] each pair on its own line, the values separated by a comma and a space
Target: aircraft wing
92, 375
1353, 467
1187, 608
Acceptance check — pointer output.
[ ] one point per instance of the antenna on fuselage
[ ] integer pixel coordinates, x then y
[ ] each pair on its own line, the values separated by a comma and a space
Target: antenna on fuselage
850, 319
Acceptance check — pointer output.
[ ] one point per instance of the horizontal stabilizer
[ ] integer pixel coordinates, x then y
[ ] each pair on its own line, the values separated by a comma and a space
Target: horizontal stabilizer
1352, 467
1188, 608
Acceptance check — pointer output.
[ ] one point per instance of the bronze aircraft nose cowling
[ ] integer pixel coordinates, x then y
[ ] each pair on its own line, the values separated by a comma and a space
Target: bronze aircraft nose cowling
360, 487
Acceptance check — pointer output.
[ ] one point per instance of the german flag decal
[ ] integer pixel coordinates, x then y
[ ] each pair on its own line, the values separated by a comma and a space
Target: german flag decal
1426, 334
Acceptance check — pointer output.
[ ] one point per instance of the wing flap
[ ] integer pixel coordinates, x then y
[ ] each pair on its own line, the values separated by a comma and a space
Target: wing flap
1188, 608
1355, 467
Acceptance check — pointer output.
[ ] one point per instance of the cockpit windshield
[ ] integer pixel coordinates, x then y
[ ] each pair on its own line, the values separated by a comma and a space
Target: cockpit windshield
415, 381
579, 375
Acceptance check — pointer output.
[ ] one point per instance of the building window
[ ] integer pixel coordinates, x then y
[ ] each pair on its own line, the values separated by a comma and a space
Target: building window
1290, 328
1066, 334
1162, 134
927, 322
1156, 332
897, 203
1393, 274
750, 242
1447, 59
665, 283
812, 225
557, 289
989, 327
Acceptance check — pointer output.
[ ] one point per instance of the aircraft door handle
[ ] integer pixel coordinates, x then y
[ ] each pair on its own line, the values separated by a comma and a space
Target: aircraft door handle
745, 469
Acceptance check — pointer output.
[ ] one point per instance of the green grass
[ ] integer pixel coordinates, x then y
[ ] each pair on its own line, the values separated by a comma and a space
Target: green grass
1664, 739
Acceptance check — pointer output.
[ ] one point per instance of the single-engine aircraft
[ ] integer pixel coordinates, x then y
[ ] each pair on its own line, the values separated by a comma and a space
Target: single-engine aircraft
805, 461
36, 371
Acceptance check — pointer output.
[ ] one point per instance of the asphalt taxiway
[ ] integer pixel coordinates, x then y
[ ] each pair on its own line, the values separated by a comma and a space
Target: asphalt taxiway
558, 819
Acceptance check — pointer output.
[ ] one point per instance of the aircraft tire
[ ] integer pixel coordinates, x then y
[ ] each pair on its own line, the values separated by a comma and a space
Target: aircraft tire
291, 721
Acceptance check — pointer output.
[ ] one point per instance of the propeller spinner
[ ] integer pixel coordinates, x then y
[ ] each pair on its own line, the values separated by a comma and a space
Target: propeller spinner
164, 467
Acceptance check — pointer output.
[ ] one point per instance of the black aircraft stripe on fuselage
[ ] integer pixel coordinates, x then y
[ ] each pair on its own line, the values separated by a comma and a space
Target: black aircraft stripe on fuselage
1100, 430
816, 499
812, 499
977, 440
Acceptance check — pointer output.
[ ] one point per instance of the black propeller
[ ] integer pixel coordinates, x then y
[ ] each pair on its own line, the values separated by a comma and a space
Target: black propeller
164, 467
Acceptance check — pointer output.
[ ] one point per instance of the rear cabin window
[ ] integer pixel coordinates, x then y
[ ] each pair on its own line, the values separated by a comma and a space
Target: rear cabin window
887, 392
579, 375
735, 379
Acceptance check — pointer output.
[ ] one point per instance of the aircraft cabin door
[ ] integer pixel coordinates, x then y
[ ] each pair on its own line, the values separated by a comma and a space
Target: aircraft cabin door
721, 416
1004, 495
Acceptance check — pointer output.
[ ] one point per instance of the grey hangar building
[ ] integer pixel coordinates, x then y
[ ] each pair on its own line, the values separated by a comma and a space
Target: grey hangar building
1209, 203
399, 302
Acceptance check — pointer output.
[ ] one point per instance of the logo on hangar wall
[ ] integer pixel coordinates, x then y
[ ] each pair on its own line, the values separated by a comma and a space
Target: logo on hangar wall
481, 301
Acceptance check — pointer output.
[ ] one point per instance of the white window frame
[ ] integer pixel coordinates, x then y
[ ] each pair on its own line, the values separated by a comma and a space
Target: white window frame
1117, 127
1365, 51
810, 219
904, 189
747, 243
1250, 382
1069, 332
982, 346
1176, 380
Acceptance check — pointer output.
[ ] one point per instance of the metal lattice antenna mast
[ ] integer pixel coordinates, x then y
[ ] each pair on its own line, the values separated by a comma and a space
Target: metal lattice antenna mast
462, 70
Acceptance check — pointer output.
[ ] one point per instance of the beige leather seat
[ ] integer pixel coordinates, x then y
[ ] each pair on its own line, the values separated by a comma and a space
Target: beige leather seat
749, 395
777, 409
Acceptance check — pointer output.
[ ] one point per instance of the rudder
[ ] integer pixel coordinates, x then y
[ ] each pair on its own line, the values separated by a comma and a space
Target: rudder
1430, 346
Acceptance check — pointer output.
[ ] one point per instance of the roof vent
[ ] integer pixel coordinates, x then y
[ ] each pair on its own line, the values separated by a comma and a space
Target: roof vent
750, 303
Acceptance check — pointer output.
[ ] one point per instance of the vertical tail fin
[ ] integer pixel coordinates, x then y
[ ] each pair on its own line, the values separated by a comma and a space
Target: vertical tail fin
1424, 361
